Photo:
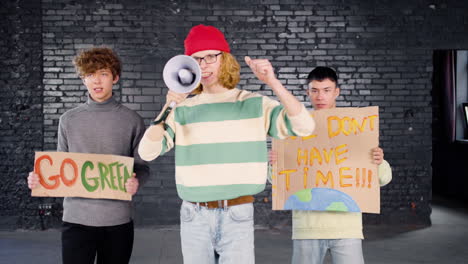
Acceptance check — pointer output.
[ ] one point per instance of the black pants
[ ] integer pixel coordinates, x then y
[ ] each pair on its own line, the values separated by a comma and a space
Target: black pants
112, 244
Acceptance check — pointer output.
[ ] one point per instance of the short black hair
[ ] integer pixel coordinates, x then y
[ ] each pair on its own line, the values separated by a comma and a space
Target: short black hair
321, 73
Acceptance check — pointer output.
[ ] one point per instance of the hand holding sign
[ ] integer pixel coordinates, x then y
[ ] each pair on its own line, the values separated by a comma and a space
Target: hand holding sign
272, 156
377, 155
132, 185
33, 180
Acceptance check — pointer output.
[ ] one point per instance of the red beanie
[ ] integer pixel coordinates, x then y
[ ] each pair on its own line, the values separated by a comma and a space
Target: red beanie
203, 37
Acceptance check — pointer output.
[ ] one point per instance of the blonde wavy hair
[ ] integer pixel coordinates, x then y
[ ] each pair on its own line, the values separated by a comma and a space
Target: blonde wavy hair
229, 74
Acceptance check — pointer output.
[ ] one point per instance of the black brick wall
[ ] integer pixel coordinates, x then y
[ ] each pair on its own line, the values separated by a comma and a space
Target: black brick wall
21, 117
381, 49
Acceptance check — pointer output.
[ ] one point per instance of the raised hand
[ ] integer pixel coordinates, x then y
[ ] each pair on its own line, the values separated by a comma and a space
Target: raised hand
262, 69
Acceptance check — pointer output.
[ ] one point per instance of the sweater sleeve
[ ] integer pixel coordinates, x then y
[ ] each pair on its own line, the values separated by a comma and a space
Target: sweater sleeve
280, 125
150, 149
141, 167
62, 142
385, 173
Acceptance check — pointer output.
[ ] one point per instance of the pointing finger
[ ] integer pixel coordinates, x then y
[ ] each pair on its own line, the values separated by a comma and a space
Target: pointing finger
247, 60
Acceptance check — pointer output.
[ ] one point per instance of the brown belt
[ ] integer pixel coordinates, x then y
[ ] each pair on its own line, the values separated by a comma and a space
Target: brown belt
232, 202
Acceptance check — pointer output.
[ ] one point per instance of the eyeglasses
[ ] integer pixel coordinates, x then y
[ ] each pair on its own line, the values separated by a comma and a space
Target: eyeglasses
209, 59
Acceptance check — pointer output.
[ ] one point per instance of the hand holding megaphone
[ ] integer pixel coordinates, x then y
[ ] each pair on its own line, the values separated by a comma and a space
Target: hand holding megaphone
173, 98
182, 75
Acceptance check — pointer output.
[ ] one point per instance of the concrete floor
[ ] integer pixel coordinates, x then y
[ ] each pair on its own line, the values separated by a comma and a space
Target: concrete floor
443, 242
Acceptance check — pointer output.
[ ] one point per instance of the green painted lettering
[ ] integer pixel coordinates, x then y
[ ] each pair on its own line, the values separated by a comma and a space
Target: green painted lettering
89, 187
103, 173
112, 176
119, 177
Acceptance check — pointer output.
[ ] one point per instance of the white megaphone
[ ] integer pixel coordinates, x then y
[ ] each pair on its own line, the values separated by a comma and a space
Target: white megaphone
181, 74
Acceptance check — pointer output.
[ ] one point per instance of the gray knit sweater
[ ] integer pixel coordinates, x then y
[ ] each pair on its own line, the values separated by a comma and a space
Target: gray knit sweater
101, 128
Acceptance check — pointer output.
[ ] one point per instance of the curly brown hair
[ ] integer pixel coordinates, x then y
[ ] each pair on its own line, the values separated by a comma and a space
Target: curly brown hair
94, 59
229, 74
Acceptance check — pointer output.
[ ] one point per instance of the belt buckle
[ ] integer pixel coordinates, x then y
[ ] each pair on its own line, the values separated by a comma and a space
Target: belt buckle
220, 203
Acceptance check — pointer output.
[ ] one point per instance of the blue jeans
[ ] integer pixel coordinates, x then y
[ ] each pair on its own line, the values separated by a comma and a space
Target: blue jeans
220, 235
313, 251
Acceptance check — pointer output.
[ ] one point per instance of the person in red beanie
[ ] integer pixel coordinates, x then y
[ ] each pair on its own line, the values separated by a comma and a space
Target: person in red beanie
221, 157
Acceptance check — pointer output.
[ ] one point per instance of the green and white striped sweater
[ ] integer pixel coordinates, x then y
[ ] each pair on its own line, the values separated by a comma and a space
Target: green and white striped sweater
220, 142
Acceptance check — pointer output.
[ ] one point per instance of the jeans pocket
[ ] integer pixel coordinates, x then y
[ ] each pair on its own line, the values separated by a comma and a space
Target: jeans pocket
187, 212
241, 213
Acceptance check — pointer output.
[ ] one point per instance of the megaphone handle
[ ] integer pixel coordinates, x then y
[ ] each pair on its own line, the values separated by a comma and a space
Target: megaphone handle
165, 114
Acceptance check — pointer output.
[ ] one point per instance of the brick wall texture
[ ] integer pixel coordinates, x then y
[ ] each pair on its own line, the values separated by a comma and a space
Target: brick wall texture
382, 51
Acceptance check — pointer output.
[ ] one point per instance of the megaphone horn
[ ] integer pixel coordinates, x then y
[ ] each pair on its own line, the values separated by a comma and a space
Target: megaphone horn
181, 74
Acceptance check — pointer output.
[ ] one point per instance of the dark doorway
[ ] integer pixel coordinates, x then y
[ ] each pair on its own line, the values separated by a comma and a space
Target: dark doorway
449, 130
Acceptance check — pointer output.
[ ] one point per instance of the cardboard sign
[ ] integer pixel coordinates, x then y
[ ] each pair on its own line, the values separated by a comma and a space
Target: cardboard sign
65, 174
332, 169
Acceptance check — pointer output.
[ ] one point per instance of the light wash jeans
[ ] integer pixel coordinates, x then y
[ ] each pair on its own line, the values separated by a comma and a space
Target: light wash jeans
224, 236
313, 251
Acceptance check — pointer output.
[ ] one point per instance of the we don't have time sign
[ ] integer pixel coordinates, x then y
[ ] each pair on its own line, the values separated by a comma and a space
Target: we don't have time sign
331, 170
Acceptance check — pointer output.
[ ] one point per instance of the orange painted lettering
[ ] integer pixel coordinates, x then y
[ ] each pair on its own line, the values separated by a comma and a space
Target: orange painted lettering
302, 156
321, 176
66, 181
54, 178
344, 176
287, 172
332, 133
315, 154
339, 152
306, 170
327, 155
372, 118
350, 129
361, 126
